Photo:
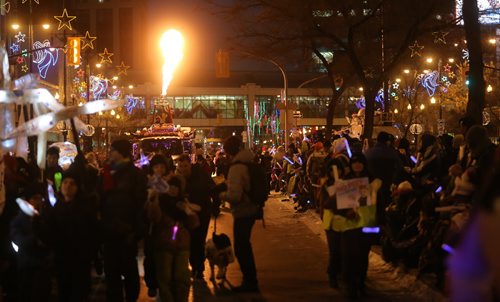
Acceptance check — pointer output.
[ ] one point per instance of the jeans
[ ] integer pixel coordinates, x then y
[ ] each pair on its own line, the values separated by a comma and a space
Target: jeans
120, 260
172, 272
197, 248
242, 231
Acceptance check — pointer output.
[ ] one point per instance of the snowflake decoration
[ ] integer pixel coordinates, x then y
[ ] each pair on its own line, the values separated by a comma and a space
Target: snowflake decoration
447, 83
447, 68
408, 92
395, 85
20, 37
396, 98
465, 54
444, 79
20, 60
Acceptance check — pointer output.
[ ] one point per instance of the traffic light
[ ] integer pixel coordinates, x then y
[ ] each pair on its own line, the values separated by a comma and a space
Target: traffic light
73, 54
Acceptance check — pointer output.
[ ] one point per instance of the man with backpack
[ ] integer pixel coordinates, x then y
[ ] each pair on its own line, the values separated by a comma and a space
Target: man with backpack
246, 192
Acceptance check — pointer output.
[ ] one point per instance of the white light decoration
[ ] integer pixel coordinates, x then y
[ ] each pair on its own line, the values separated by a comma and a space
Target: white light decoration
43, 57
489, 11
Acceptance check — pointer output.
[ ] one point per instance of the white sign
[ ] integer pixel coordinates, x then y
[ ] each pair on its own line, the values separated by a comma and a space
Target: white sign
353, 193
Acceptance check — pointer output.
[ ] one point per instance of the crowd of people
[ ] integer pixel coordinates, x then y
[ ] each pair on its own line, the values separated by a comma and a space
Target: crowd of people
415, 200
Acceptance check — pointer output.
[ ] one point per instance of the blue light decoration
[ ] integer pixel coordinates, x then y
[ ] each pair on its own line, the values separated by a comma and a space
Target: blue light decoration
379, 98
44, 57
430, 82
14, 48
98, 86
115, 95
132, 103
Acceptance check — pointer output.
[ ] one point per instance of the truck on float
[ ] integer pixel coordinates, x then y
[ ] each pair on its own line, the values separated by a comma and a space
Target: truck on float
166, 139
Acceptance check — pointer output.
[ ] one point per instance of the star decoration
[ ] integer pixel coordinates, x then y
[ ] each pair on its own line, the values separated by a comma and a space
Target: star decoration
20, 60
80, 73
416, 49
369, 73
36, 1
20, 37
24, 68
5, 7
447, 68
88, 41
451, 75
440, 36
14, 48
395, 85
122, 69
444, 79
64, 20
106, 56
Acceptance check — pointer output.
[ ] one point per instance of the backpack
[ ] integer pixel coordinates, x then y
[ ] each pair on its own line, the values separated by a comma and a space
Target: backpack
259, 186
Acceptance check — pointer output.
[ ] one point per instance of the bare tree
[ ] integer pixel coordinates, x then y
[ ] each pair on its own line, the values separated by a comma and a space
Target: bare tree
367, 39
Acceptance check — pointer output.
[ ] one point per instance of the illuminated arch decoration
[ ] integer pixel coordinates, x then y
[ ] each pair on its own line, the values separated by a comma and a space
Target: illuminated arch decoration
106, 56
64, 20
88, 41
44, 57
98, 87
20, 37
430, 82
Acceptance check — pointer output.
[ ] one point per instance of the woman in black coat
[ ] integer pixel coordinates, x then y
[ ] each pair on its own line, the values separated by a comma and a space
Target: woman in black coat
73, 227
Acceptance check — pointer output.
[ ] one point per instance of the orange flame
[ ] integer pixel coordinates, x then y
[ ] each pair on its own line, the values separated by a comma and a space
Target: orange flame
172, 45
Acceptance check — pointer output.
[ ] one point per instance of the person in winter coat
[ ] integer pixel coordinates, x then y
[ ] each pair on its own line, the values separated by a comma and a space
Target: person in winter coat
170, 242
199, 189
428, 167
123, 195
243, 209
73, 232
28, 231
384, 163
161, 172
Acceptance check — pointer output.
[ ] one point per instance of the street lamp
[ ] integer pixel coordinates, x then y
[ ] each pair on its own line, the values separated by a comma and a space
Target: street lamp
489, 88
429, 60
433, 100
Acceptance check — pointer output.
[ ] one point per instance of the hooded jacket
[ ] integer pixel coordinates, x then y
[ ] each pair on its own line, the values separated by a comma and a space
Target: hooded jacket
238, 183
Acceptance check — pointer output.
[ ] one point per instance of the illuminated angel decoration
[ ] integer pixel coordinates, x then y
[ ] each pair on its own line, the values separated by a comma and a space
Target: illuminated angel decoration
98, 86
430, 82
44, 57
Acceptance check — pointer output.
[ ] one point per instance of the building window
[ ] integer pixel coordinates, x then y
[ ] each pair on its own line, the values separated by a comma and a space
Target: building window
126, 23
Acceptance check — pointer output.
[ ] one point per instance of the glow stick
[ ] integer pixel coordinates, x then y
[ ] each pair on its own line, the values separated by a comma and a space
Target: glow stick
288, 160
26, 207
15, 247
448, 248
174, 231
438, 190
373, 230
300, 160
348, 148
58, 180
413, 159
52, 197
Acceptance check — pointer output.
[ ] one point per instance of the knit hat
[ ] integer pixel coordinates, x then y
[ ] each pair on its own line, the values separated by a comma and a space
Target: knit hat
122, 146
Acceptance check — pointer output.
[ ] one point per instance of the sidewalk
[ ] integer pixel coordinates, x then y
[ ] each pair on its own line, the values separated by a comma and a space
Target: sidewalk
393, 280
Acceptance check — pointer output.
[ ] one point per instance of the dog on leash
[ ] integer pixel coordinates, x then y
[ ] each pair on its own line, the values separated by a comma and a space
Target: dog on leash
219, 252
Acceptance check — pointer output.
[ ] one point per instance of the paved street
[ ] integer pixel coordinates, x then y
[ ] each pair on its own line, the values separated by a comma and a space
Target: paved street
291, 257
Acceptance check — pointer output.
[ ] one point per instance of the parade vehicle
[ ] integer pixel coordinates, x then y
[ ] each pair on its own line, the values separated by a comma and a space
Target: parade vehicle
161, 138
